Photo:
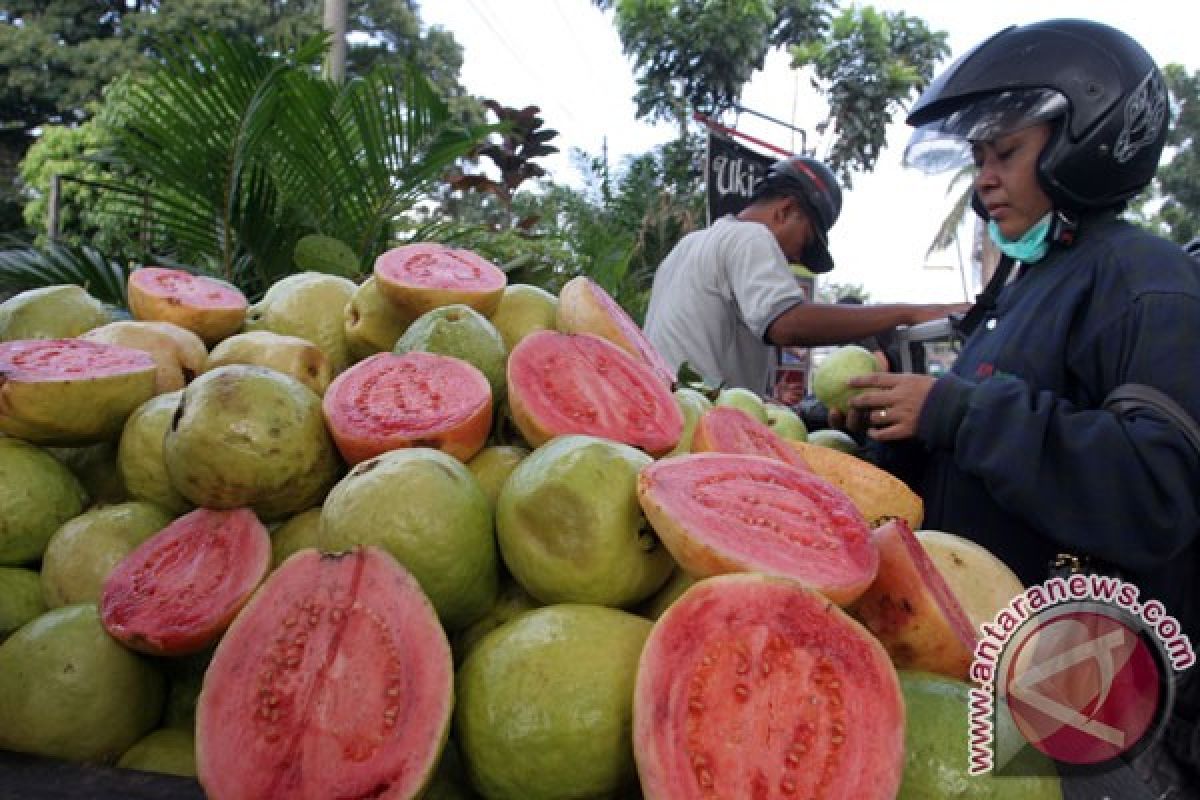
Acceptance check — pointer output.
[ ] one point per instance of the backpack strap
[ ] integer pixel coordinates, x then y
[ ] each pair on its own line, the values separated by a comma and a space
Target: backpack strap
1130, 397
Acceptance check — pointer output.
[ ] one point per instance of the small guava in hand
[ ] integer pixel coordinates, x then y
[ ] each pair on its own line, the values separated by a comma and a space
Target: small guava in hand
832, 376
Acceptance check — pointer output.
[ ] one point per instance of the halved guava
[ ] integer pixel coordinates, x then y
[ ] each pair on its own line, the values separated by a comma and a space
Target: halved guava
210, 308
912, 611
983, 584
390, 401
724, 429
428, 275
585, 307
720, 513
335, 681
562, 383
879, 495
753, 686
177, 592
70, 391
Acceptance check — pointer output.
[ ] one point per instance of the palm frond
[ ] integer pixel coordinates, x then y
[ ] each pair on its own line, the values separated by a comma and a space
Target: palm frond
948, 230
23, 266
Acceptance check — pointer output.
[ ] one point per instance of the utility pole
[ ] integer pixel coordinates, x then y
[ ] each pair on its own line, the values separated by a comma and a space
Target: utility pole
335, 23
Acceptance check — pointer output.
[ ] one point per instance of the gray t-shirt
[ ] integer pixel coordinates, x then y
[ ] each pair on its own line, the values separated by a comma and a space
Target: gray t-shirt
715, 295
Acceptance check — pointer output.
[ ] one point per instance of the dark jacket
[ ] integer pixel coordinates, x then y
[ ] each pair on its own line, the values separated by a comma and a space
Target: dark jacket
1016, 453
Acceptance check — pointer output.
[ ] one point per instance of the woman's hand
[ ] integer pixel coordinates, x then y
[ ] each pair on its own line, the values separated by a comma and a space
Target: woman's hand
889, 406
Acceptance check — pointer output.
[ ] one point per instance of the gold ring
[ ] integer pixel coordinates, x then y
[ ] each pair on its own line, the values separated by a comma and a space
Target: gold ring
883, 413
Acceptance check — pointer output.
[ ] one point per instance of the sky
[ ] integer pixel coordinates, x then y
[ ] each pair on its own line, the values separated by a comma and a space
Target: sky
565, 57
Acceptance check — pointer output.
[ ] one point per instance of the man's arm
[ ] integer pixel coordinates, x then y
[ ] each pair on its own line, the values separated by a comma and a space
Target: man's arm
813, 324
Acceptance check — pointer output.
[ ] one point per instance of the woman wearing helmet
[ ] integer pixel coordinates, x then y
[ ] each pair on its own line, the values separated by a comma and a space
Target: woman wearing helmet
1062, 435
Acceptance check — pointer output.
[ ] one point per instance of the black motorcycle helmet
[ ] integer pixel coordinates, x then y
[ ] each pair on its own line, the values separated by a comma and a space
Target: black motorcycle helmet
1100, 87
815, 185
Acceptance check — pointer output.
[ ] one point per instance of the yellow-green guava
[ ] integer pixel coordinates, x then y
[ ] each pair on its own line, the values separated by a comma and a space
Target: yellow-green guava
830, 377
141, 463
524, 309
545, 705
371, 322
95, 465
427, 510
786, 423
290, 355
69, 690
84, 550
247, 436
37, 494
296, 533
693, 404
936, 754
52, 312
310, 305
459, 331
171, 751
492, 465
744, 399
570, 528
834, 439
20, 598
510, 602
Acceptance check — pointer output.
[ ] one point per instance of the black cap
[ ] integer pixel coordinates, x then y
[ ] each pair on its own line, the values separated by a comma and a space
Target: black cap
815, 185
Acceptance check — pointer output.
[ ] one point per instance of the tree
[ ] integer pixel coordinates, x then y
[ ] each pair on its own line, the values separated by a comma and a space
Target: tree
1177, 184
271, 153
697, 55
56, 58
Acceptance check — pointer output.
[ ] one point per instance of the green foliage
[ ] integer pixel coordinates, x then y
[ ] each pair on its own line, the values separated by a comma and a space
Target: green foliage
696, 55
869, 66
24, 267
1178, 180
238, 153
56, 58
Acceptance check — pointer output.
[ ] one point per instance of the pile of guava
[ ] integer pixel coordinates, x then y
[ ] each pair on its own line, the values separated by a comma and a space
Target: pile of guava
432, 534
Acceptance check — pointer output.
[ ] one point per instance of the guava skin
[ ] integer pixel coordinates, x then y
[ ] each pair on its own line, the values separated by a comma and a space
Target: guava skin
830, 377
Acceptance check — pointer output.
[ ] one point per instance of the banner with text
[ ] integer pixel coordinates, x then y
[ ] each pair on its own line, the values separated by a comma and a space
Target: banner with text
732, 173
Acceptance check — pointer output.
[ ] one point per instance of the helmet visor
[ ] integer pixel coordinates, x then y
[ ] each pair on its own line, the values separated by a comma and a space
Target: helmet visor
945, 143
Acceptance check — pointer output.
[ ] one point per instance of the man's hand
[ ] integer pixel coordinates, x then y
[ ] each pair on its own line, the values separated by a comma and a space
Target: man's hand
889, 406
925, 313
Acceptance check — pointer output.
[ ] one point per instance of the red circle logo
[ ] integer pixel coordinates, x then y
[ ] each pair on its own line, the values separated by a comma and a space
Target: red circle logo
1083, 687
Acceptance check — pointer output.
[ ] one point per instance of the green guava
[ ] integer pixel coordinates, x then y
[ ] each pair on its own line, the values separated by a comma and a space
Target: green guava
171, 751
834, 439
524, 309
450, 779
95, 465
786, 423
37, 494
296, 533
462, 332
512, 601
69, 690
52, 312
250, 436
653, 607
319, 253
545, 704
185, 679
492, 466
140, 461
84, 550
830, 377
310, 305
427, 510
743, 399
570, 527
20, 598
693, 404
936, 754
291, 355
371, 322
